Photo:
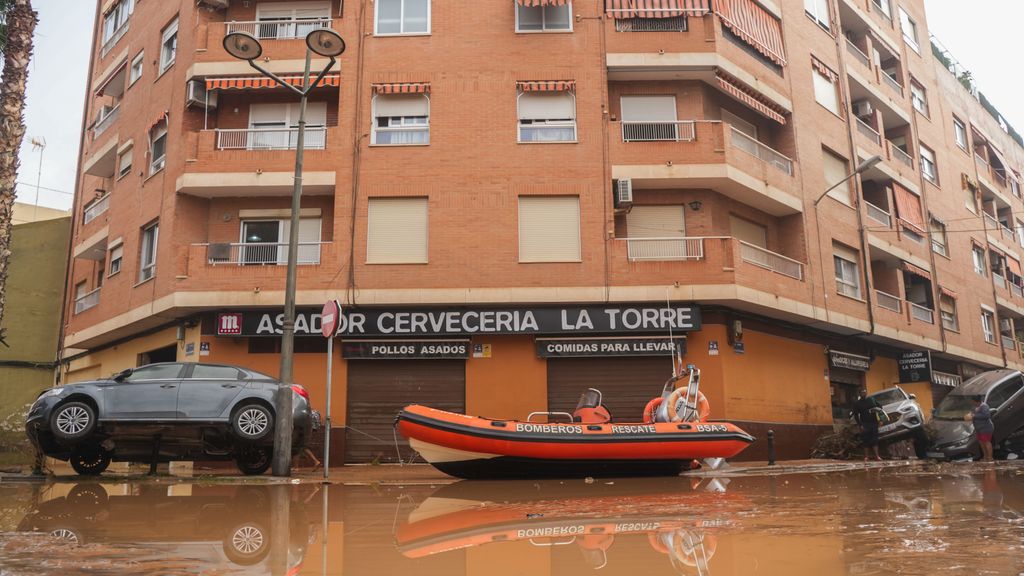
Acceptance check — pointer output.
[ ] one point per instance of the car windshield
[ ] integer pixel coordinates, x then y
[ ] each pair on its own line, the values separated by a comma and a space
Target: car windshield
889, 396
954, 407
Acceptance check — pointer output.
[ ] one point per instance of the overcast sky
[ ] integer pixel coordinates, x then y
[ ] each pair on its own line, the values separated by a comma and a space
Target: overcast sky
984, 38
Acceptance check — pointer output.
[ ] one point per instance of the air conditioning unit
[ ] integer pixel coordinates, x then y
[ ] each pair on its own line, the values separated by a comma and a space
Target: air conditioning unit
623, 193
863, 108
196, 95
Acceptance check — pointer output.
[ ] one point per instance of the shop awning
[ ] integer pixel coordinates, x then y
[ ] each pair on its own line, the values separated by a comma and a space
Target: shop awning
755, 26
908, 209
947, 292
546, 85
750, 97
402, 88
262, 82
534, 3
655, 8
920, 272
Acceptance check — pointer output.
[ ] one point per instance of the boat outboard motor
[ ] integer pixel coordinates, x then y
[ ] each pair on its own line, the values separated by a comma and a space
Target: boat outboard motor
590, 410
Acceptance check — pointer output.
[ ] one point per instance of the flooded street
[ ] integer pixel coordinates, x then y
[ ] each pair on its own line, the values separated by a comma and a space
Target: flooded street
963, 519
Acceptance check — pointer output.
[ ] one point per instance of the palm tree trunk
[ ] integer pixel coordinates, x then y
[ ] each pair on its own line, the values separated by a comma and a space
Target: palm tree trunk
20, 23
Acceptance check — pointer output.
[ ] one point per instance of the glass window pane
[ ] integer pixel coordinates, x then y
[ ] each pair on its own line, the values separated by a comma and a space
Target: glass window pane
530, 17
157, 372
557, 17
389, 16
202, 371
415, 17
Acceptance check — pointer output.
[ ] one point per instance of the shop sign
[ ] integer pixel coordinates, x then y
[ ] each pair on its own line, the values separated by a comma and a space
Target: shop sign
583, 347
405, 349
633, 319
915, 366
848, 361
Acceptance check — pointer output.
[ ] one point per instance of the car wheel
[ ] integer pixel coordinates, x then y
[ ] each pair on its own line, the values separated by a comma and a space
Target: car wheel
67, 536
252, 422
253, 461
73, 421
247, 544
87, 498
89, 460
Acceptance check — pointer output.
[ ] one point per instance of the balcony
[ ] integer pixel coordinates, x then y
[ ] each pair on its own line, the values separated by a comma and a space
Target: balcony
1009, 343
888, 301
921, 313
665, 249
283, 30
999, 281
897, 154
714, 156
105, 119
270, 139
769, 260
857, 53
879, 215
96, 208
87, 301
869, 132
260, 254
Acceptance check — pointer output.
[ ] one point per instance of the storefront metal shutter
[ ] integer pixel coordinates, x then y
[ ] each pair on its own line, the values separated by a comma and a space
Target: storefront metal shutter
627, 384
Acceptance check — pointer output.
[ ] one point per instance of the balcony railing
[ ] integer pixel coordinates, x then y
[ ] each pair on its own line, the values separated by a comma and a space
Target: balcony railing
1009, 343
999, 280
1016, 290
770, 260
921, 313
260, 253
669, 131
857, 53
888, 301
106, 120
1007, 233
879, 215
891, 82
669, 24
761, 151
1000, 177
665, 248
990, 222
280, 30
401, 135
270, 139
87, 301
870, 132
112, 41
95, 209
897, 153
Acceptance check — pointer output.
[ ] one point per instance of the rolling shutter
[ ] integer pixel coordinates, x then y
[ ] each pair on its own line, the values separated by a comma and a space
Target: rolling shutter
547, 106
397, 105
549, 229
656, 222
626, 384
648, 108
748, 231
396, 231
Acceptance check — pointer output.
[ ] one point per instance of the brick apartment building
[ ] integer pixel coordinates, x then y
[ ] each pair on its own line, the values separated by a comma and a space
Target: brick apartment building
517, 199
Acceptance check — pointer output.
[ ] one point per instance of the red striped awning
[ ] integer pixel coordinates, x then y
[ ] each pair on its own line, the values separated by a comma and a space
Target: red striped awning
921, 272
908, 209
535, 3
750, 97
1014, 266
755, 26
403, 88
162, 117
824, 70
655, 8
947, 292
546, 85
262, 82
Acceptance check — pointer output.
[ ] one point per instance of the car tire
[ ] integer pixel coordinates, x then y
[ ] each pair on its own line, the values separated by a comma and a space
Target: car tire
253, 461
247, 544
252, 422
87, 498
73, 421
89, 460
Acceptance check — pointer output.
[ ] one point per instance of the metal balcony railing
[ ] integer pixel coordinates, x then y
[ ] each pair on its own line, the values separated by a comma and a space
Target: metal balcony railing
106, 120
1009, 343
897, 153
770, 260
888, 301
279, 30
261, 253
87, 301
668, 24
665, 248
270, 138
922, 313
95, 209
761, 151
870, 132
879, 215
668, 131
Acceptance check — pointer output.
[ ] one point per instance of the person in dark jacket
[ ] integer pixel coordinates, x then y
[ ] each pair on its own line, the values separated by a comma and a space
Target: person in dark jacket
865, 412
981, 416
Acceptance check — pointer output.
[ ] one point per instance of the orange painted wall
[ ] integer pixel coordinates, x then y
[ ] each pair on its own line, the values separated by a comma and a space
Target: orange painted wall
511, 383
885, 373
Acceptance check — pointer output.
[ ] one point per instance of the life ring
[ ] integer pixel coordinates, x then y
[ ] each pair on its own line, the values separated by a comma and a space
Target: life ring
675, 406
651, 410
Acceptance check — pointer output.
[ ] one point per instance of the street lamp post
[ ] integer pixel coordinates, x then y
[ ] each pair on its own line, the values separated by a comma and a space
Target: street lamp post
245, 46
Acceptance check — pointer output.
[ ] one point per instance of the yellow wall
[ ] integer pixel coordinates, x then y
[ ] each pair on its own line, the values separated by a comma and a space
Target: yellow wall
885, 373
511, 383
116, 358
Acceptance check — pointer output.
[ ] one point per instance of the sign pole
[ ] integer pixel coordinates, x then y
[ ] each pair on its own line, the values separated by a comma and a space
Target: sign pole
327, 418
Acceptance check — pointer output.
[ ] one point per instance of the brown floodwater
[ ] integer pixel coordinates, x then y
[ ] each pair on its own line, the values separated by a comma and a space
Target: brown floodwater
953, 519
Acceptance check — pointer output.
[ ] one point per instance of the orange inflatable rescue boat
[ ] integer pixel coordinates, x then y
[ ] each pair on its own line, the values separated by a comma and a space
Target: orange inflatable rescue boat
673, 433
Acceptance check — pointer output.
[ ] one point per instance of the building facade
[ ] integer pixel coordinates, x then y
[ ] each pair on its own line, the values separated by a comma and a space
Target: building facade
516, 200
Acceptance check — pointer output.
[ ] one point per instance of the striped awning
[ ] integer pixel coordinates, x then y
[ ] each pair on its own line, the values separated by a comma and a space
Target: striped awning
262, 82
546, 85
162, 117
750, 97
947, 292
402, 88
755, 26
824, 70
1014, 266
908, 209
921, 272
655, 8
535, 3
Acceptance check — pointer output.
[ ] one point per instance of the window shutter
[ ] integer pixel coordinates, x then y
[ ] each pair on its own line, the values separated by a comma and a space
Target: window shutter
656, 222
836, 169
648, 108
549, 229
386, 105
825, 92
748, 231
845, 252
546, 105
309, 232
397, 231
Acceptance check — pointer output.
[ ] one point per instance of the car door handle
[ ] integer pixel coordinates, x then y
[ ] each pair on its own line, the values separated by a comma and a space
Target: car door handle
229, 385
168, 385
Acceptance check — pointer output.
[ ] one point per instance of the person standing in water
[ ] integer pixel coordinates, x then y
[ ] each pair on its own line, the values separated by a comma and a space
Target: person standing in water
865, 412
981, 416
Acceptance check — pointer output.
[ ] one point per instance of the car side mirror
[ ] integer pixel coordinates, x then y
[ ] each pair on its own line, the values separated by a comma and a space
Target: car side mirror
120, 376
913, 396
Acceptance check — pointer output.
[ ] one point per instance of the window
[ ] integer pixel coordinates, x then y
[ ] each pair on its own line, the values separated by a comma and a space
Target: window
265, 241
147, 252
157, 147
1020, 232
402, 17
547, 116
1002, 393
135, 72
275, 126
978, 258
825, 91
124, 163
947, 311
928, 165
396, 231
837, 172
157, 372
651, 119
909, 28
818, 10
847, 270
970, 199
116, 256
937, 230
207, 372
655, 233
960, 133
115, 24
988, 322
284, 20
918, 97
549, 229
547, 18
750, 232
168, 45
883, 7
401, 119
748, 128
